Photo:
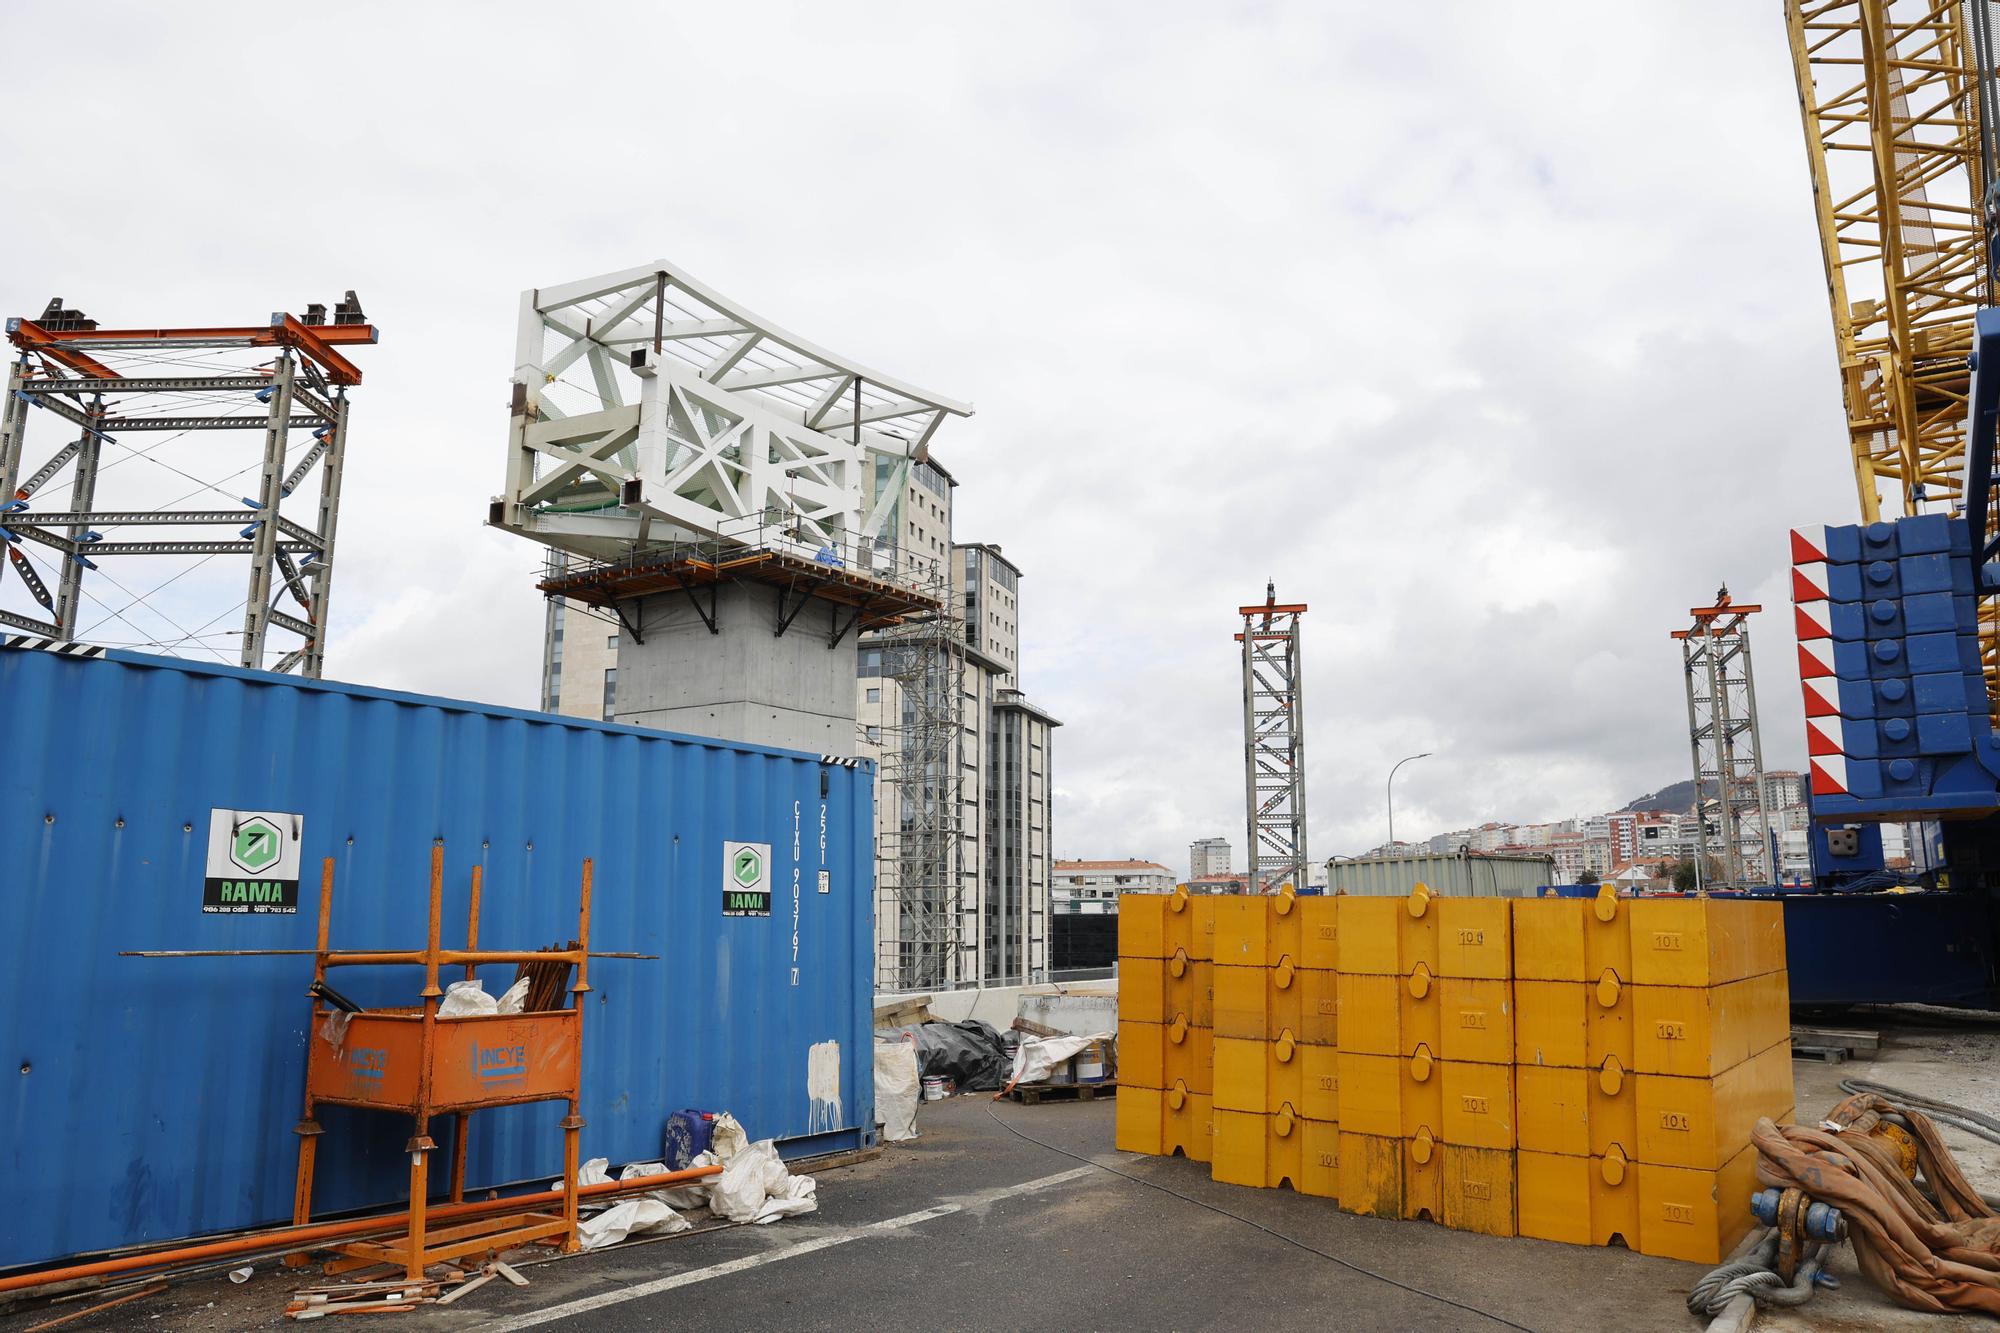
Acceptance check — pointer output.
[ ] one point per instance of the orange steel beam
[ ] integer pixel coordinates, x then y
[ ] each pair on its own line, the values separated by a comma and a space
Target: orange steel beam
32, 337
338, 335
308, 338
1293, 608
315, 340
1705, 614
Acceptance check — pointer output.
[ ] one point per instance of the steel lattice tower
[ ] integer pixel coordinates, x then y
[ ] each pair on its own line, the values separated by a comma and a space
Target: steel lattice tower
281, 386
1274, 743
1723, 738
919, 875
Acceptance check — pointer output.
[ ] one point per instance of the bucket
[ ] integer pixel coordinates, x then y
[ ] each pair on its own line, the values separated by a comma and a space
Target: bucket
936, 1088
1090, 1064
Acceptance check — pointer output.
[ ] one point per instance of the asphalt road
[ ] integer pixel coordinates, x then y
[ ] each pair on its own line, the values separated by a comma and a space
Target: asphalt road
971, 1226
1035, 1237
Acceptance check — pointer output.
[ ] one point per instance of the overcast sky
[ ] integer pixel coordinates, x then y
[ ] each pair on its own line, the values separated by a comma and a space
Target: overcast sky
1498, 338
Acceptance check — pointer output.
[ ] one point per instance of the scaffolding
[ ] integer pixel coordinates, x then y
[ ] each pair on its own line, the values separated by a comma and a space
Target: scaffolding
919, 733
184, 393
1274, 743
1724, 741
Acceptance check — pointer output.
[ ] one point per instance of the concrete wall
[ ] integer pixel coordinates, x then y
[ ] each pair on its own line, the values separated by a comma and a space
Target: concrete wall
998, 1005
743, 683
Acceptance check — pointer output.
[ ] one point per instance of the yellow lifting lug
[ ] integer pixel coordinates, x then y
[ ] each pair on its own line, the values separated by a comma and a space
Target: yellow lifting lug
1792, 1205
1902, 1142
1606, 905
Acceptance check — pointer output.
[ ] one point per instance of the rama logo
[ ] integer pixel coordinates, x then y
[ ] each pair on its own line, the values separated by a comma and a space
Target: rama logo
748, 867
255, 844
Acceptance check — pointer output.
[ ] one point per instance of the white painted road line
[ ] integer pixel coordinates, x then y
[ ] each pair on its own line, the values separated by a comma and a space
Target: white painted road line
536, 1318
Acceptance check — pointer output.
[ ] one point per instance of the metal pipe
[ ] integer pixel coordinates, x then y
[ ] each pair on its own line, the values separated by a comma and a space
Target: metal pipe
280, 1237
376, 956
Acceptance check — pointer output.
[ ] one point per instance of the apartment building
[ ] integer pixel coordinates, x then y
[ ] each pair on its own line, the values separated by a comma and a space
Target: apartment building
1077, 880
995, 740
1208, 856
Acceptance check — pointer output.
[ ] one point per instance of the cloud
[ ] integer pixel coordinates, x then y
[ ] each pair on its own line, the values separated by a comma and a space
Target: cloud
1499, 354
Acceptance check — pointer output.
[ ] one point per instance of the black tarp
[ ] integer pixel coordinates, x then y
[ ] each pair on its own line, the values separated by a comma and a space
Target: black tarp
970, 1054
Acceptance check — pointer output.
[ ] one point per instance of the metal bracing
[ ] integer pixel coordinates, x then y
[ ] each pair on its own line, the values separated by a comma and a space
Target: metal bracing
1890, 96
1888, 92
1274, 743
649, 406
1726, 747
919, 852
66, 494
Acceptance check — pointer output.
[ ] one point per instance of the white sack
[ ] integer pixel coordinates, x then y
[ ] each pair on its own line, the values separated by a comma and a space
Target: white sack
898, 1088
755, 1187
727, 1138
1037, 1057
513, 998
464, 999
626, 1218
694, 1195
594, 1171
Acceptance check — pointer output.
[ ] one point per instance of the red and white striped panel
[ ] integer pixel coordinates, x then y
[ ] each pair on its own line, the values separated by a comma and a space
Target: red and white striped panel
1824, 736
1811, 620
1822, 697
1809, 582
1829, 775
1815, 658
1809, 545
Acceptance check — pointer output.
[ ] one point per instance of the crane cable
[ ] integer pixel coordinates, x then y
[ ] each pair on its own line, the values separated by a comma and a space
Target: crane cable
1980, 13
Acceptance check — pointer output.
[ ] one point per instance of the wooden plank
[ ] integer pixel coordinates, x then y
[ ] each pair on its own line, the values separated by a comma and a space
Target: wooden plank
1862, 1041
464, 1287
504, 1271
1033, 1094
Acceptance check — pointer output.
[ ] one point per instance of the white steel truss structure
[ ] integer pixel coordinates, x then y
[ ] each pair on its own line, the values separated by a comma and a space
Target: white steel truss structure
129, 418
649, 409
1728, 753
1274, 743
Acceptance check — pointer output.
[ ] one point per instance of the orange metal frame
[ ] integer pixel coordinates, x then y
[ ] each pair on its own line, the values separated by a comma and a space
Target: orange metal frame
314, 340
409, 1060
877, 602
1729, 613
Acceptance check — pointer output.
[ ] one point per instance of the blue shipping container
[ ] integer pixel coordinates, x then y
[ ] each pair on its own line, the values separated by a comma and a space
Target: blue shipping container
155, 1099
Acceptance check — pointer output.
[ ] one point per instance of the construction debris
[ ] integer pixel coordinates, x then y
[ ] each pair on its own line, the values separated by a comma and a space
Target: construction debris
149, 1289
385, 1297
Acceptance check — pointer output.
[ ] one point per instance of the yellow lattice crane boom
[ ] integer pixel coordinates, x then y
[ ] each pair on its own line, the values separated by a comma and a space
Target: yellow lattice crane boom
1892, 100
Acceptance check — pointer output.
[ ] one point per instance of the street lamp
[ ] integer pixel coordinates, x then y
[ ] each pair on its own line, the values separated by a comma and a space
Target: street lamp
1391, 785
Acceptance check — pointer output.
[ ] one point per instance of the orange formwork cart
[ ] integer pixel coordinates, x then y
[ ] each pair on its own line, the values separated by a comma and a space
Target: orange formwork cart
411, 1061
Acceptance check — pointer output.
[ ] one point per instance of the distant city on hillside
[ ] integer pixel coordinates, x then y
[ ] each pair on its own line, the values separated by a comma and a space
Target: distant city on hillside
1639, 842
